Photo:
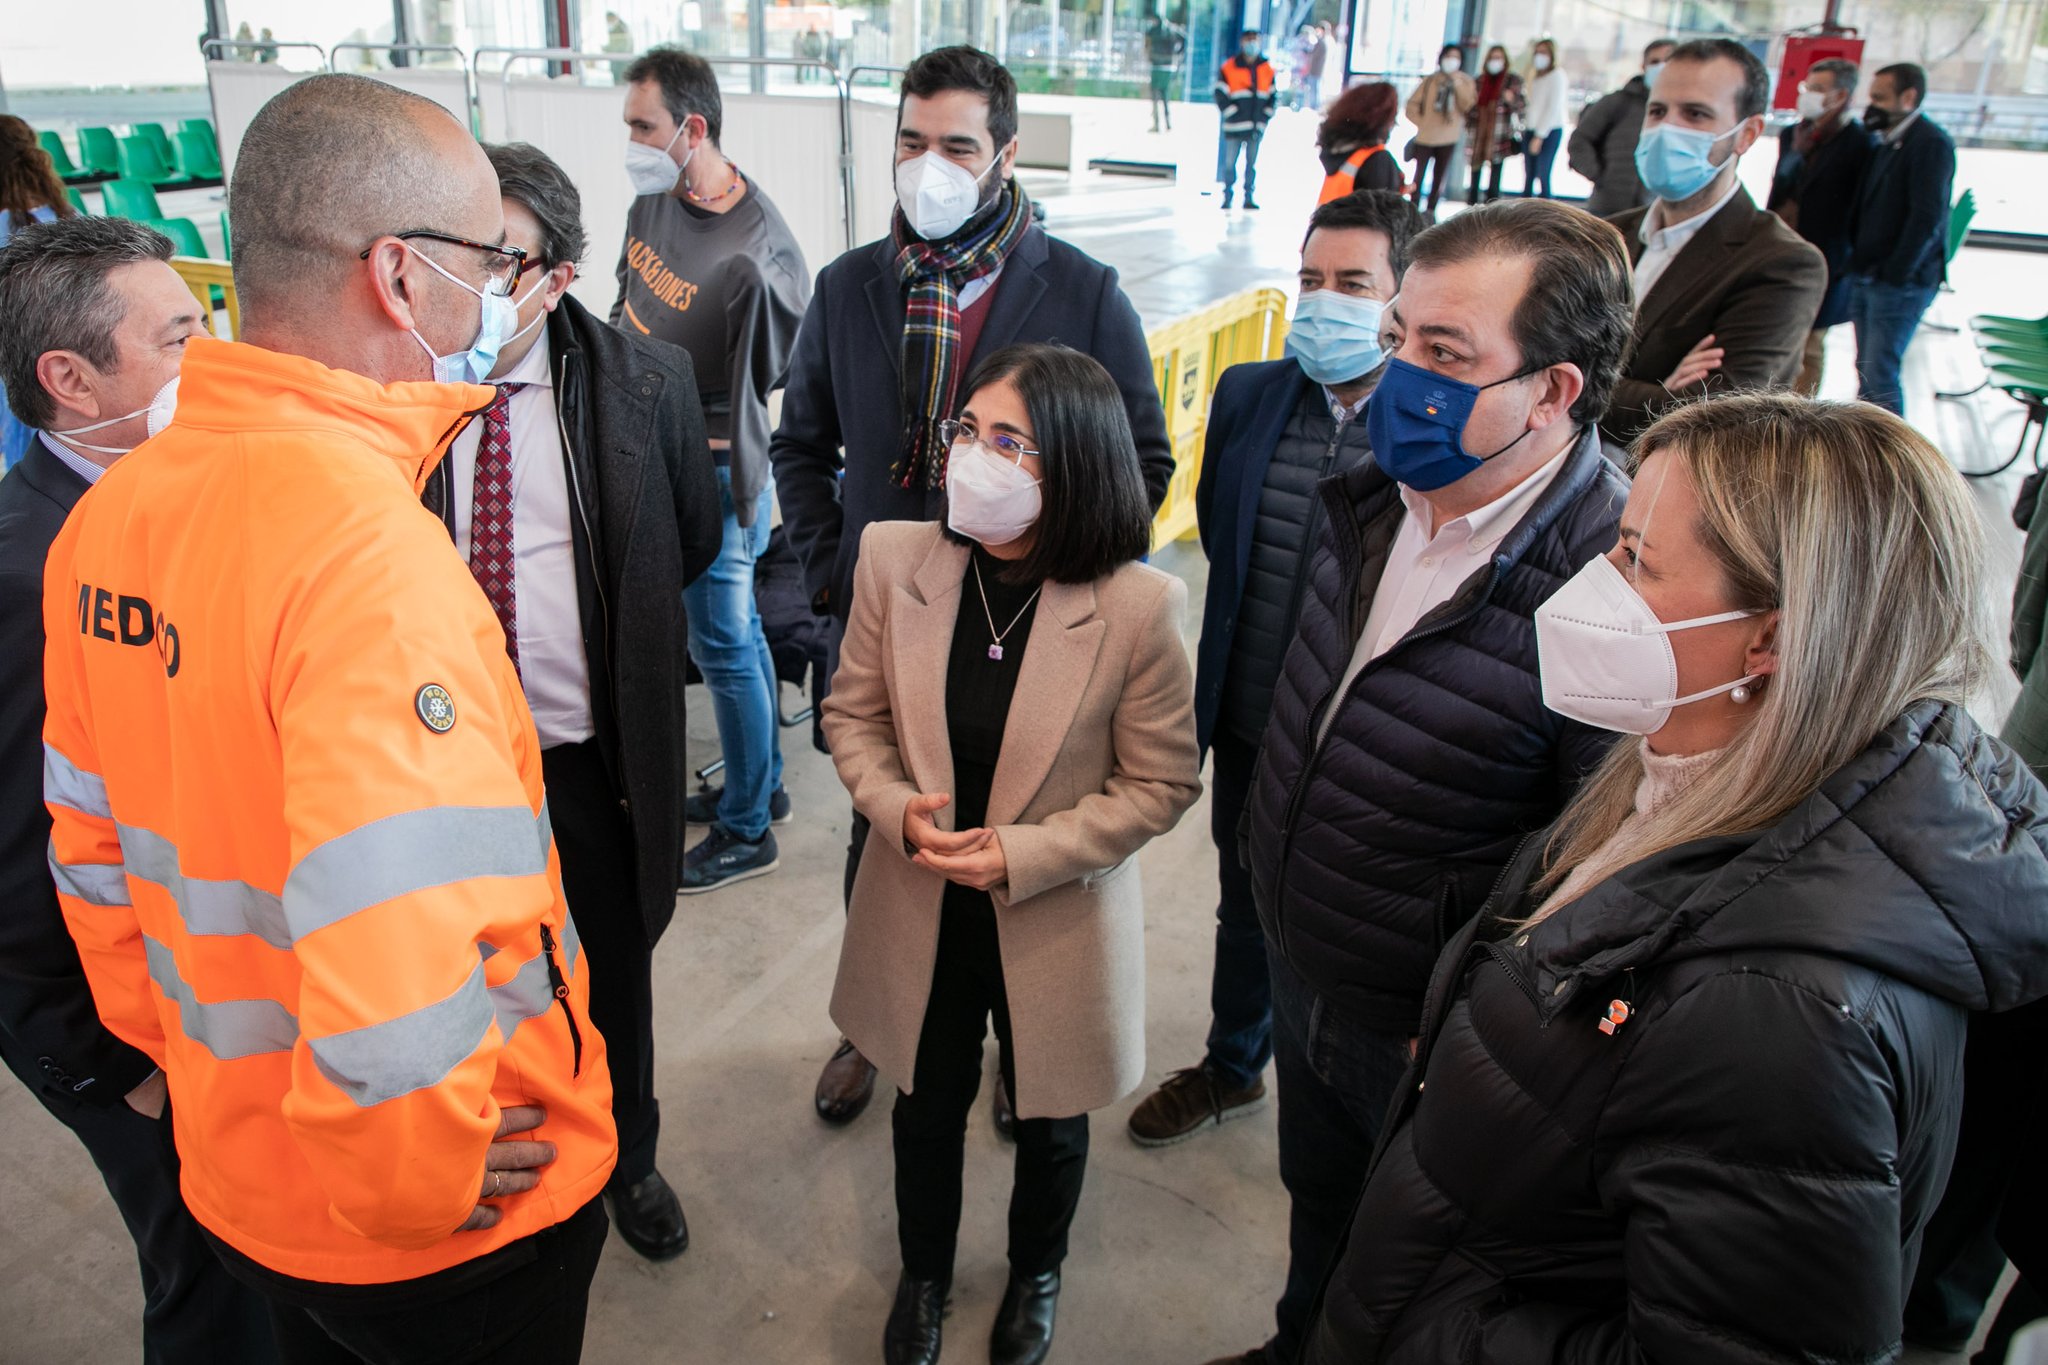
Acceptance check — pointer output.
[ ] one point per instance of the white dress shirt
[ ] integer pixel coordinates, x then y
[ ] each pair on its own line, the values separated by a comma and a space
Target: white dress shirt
1425, 571
1661, 245
72, 460
552, 666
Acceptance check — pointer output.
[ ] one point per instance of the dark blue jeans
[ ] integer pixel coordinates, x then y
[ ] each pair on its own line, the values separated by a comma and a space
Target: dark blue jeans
1336, 1083
731, 650
1240, 991
1537, 161
1226, 162
1885, 317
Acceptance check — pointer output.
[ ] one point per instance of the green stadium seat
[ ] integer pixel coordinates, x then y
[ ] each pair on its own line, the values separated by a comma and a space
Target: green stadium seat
129, 199
77, 200
195, 154
227, 239
140, 161
1959, 219
155, 135
196, 125
59, 158
99, 151
184, 235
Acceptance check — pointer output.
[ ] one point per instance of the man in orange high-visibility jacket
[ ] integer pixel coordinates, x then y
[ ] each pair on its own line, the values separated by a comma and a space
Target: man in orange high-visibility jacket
1245, 97
299, 833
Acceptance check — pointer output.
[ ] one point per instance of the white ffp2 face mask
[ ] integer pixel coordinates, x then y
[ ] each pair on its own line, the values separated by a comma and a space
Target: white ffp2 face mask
651, 170
938, 196
988, 498
161, 409
1606, 659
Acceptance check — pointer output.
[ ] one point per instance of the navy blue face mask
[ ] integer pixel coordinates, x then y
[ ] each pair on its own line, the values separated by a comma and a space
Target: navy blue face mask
1416, 423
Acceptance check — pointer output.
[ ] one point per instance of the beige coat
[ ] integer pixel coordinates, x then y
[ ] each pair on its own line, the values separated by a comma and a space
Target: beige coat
1099, 757
1433, 129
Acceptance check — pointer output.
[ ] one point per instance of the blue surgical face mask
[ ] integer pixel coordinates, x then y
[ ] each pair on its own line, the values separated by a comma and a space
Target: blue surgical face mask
497, 319
1416, 423
1335, 337
1676, 163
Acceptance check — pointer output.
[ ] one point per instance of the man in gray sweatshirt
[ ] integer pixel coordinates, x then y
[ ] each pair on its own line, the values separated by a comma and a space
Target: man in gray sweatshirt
710, 266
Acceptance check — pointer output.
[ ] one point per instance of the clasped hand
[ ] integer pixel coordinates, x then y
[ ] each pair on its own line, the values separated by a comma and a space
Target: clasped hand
971, 857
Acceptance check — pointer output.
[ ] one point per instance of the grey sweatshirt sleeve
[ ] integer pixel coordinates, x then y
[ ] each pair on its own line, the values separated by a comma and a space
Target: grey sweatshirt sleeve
764, 305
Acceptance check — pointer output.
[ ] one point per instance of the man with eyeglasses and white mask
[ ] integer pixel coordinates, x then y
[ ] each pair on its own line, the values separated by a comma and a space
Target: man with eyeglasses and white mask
298, 828
1725, 293
709, 265
893, 330
584, 502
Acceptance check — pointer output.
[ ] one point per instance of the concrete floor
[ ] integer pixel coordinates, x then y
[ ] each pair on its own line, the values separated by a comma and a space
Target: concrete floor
1176, 1255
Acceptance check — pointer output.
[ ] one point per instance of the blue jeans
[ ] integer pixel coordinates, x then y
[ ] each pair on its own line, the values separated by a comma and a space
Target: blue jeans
1240, 990
1226, 161
1885, 317
1336, 1083
731, 651
1537, 161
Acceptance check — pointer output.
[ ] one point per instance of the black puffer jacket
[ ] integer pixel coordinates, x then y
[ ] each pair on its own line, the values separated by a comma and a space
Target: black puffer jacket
1741, 1172
1370, 851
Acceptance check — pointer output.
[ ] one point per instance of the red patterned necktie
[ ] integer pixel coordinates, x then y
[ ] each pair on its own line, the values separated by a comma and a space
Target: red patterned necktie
490, 522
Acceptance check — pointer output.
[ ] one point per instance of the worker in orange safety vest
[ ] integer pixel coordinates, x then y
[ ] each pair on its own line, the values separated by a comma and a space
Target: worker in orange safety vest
299, 832
1245, 96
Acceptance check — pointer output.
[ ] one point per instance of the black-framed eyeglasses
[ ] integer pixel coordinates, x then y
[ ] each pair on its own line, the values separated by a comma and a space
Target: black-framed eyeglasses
1002, 443
503, 265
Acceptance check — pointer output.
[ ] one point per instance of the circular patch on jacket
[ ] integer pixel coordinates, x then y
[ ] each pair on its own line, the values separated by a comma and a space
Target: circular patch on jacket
436, 708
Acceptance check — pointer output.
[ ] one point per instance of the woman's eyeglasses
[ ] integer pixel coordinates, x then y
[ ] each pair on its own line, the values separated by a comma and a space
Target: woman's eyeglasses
1002, 443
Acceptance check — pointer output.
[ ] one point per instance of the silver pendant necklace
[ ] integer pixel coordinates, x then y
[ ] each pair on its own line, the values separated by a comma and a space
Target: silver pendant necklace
995, 649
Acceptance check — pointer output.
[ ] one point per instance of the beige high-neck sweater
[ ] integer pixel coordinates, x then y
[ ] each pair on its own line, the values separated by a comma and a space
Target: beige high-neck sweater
1665, 776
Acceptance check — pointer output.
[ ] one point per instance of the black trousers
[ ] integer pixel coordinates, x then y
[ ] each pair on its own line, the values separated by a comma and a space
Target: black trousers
530, 1315
596, 845
929, 1125
193, 1311
1436, 161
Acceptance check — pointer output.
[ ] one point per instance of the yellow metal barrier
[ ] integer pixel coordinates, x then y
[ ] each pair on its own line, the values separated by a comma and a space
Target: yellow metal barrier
1188, 357
213, 284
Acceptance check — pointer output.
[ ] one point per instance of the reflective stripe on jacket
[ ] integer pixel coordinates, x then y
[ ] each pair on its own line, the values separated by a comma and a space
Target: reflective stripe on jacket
1344, 179
1245, 94
299, 832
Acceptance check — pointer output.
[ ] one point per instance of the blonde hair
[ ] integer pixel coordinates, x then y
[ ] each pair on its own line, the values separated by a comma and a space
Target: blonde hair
1856, 530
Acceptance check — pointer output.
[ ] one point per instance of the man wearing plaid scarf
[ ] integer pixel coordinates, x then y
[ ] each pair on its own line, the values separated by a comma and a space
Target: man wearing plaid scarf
893, 331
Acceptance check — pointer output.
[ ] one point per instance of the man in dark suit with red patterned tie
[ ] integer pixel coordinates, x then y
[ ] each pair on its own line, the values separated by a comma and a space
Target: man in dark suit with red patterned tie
583, 500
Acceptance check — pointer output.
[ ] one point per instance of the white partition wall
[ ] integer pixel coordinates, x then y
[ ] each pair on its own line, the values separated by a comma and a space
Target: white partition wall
874, 165
239, 90
790, 144
242, 88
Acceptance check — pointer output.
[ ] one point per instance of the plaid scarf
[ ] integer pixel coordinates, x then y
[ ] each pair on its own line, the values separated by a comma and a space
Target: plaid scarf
934, 273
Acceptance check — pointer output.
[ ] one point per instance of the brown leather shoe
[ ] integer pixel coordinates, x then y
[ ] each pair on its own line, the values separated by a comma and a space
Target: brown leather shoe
846, 1085
1187, 1102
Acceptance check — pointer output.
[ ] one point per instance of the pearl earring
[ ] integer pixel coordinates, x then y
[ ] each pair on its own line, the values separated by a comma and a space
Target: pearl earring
1740, 696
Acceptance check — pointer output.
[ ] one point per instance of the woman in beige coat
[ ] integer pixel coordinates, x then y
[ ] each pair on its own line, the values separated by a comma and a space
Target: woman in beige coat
1438, 109
1013, 713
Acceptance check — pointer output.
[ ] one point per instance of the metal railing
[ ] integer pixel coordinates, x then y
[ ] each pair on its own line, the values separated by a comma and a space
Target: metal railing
340, 48
209, 47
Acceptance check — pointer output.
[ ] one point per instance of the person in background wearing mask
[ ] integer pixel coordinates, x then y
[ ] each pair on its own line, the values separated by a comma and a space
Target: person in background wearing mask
1245, 95
1821, 160
1352, 142
1407, 752
1603, 145
1165, 45
963, 273
1025, 628
709, 265
1494, 127
1725, 294
1544, 117
1900, 254
98, 323
585, 506
299, 834
1276, 430
1690, 1082
1438, 109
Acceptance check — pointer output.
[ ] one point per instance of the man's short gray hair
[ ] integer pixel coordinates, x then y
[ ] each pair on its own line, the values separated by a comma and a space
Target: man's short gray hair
55, 297
1843, 70
529, 176
325, 168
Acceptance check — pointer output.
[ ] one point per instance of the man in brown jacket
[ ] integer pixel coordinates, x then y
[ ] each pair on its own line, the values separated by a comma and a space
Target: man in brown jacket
1725, 293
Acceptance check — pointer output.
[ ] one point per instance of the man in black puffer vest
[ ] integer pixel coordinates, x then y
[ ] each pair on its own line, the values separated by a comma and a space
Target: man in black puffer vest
1409, 750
